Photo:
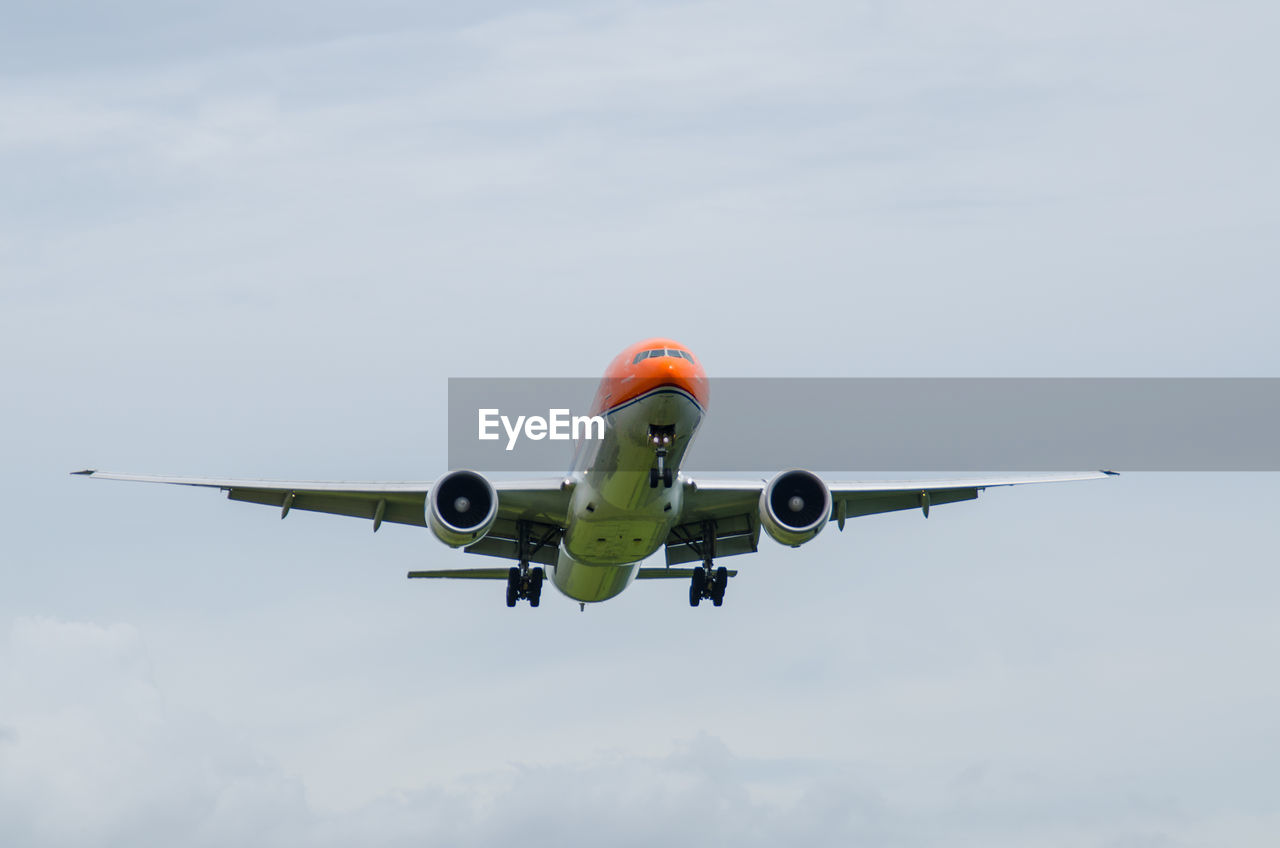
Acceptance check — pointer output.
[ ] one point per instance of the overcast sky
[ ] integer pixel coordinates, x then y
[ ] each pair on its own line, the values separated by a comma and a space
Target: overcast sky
255, 239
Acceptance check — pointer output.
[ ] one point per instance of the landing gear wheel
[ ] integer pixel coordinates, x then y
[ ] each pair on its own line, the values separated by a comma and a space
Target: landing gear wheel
667, 478
513, 586
718, 584
653, 478
697, 585
535, 586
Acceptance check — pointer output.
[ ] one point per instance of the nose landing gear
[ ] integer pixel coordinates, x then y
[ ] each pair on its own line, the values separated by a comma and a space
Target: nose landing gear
661, 436
661, 474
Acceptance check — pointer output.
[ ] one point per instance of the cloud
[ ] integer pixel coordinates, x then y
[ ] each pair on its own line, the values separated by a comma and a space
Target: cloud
96, 755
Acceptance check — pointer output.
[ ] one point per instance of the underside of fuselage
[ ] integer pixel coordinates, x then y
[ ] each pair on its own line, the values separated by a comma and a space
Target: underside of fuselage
622, 511
591, 583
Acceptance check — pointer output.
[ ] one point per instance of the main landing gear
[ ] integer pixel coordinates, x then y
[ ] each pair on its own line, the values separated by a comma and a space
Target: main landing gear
661, 437
708, 581
523, 582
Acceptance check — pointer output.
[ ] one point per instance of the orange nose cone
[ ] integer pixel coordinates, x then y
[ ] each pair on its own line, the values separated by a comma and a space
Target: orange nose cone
676, 372
654, 364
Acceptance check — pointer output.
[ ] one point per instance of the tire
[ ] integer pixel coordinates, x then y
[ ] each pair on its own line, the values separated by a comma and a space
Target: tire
668, 477
535, 586
694, 596
653, 478
513, 586
718, 584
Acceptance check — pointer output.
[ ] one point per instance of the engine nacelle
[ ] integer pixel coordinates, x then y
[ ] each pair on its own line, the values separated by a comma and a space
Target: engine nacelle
794, 507
461, 507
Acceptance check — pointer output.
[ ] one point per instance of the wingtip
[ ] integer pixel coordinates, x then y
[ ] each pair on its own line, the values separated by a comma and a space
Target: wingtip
88, 472
1109, 473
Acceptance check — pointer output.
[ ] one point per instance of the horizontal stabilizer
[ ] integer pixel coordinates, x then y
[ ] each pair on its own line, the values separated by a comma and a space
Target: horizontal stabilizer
501, 573
464, 573
672, 573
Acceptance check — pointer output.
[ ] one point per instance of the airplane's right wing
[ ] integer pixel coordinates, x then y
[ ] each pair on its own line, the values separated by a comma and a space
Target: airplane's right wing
543, 502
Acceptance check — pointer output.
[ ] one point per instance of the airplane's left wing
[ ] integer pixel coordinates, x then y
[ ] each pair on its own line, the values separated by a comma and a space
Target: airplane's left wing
728, 511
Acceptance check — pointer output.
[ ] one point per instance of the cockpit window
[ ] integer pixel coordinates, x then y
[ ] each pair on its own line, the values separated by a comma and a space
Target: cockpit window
652, 354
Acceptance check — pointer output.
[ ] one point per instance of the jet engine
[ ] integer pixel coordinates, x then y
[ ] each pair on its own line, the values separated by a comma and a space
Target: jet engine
461, 507
794, 507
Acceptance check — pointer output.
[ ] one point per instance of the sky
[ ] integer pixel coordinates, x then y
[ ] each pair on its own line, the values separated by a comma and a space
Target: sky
256, 239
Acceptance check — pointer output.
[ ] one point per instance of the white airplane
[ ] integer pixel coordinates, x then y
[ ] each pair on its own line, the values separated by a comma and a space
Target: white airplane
624, 499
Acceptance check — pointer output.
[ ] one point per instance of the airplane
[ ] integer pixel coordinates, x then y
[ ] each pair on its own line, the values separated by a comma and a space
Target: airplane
624, 498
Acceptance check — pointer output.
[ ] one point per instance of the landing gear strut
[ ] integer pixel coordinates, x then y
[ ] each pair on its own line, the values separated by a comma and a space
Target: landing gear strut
661, 437
524, 582
708, 581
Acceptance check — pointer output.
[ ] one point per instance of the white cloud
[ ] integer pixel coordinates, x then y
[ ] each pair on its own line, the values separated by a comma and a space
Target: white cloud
940, 743
94, 754
897, 164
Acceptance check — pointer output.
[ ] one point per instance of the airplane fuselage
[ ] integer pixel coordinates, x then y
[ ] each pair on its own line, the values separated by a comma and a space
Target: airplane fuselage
627, 494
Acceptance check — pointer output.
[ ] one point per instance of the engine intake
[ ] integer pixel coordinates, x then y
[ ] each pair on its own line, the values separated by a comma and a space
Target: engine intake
794, 507
461, 508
